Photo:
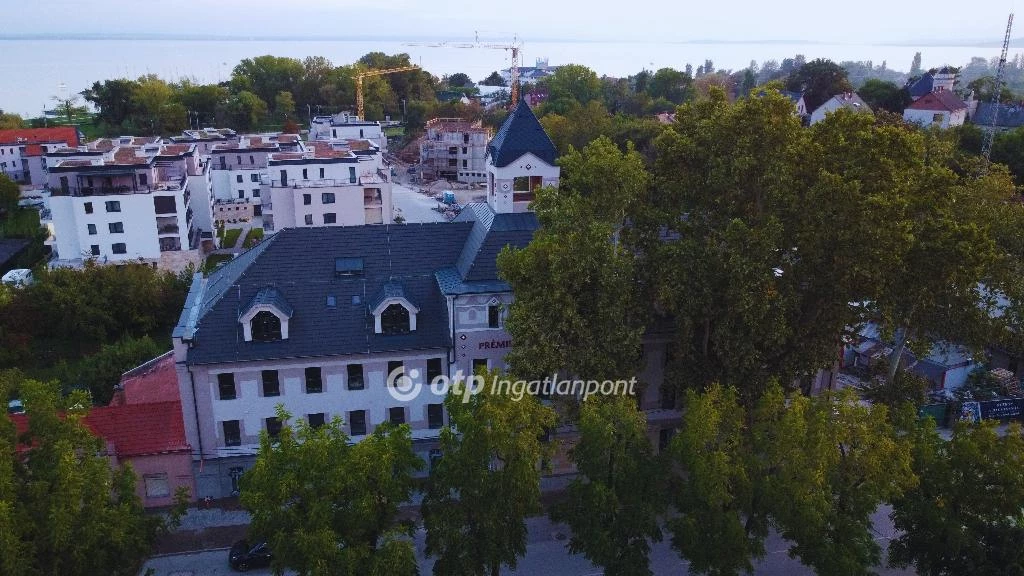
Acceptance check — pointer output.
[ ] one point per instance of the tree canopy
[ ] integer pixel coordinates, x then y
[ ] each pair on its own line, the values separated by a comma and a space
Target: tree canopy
819, 80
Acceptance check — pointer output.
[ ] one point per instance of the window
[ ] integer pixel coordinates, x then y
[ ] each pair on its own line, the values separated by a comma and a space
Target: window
238, 178
266, 327
314, 380
113, 206
327, 197
241, 194
92, 229
396, 415
465, 163
252, 160
321, 172
351, 175
357, 422
254, 177
87, 205
305, 175
315, 420
479, 364
255, 192
465, 150
330, 218
394, 320
435, 416
226, 385
308, 219
143, 180
334, 133
453, 149
116, 227
271, 383
453, 162
392, 366
232, 433
95, 249
119, 248
273, 426
433, 369
521, 184
156, 486
493, 315
355, 376
360, 132
307, 199
937, 118
238, 159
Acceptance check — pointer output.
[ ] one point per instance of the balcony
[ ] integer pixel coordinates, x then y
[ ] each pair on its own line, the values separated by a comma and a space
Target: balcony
321, 183
372, 198
167, 225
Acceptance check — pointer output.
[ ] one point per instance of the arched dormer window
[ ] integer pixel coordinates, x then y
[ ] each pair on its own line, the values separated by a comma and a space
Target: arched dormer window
266, 327
394, 320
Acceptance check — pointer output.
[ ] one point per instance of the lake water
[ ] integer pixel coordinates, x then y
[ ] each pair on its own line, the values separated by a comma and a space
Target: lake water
31, 71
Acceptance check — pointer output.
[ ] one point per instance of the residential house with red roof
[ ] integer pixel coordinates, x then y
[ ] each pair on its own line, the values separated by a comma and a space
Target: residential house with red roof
941, 108
22, 151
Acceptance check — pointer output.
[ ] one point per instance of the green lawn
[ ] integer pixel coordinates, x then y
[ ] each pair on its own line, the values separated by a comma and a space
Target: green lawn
20, 223
394, 131
254, 236
230, 237
213, 260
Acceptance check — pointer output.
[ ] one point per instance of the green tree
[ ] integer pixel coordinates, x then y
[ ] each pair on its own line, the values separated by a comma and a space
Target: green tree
113, 100
915, 65
63, 508
246, 111
201, 100
155, 108
10, 193
284, 105
326, 506
100, 372
669, 84
265, 76
9, 121
494, 79
486, 481
882, 95
572, 83
819, 80
585, 318
1008, 149
613, 506
966, 515
984, 88
459, 80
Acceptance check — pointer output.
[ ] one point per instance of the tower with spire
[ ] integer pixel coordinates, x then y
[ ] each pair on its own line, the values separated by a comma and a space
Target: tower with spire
520, 159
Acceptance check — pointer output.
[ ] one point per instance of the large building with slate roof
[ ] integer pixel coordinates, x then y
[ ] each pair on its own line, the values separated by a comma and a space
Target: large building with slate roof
520, 159
317, 318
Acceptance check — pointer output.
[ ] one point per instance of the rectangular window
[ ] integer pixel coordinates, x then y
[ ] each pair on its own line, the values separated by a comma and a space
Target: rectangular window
273, 426
143, 180
255, 192
351, 175
241, 194
113, 206
315, 420
521, 184
357, 423
95, 249
465, 163
435, 416
157, 486
453, 162
433, 369
327, 197
330, 218
254, 177
88, 207
493, 315
238, 178
232, 433
307, 199
116, 227
119, 248
396, 415
226, 385
321, 172
314, 380
465, 150
252, 160
355, 377
271, 383
92, 229
308, 219
395, 365
239, 160
479, 364
305, 174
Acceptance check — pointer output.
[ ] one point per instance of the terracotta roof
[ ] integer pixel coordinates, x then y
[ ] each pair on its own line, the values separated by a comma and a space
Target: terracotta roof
128, 155
941, 100
154, 381
288, 138
175, 149
33, 150
133, 429
68, 134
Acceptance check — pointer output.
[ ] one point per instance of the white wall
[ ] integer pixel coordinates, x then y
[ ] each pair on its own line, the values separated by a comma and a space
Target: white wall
288, 205
11, 164
73, 241
927, 117
500, 196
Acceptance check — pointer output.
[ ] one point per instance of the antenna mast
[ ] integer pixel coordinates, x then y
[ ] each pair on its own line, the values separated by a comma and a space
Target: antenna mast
986, 145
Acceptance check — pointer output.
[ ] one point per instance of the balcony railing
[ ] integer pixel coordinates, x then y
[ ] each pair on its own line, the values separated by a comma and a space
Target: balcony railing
320, 183
168, 229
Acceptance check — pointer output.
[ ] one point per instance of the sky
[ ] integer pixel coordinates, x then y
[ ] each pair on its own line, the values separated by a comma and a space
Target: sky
834, 21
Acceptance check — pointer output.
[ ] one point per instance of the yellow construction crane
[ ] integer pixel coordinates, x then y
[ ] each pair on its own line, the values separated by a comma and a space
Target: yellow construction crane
516, 47
368, 73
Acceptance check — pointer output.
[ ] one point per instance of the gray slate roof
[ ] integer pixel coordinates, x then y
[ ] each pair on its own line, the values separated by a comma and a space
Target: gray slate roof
298, 266
270, 296
521, 133
1010, 115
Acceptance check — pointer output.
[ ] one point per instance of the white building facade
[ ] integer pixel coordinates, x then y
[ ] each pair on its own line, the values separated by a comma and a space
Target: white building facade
348, 126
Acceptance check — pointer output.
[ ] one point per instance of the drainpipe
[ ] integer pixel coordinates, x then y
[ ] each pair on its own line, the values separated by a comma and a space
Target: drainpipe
195, 408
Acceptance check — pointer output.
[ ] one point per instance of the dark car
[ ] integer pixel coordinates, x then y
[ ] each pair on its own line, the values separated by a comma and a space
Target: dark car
245, 555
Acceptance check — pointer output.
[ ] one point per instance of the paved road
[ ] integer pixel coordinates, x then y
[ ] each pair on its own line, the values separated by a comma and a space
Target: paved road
546, 555
412, 205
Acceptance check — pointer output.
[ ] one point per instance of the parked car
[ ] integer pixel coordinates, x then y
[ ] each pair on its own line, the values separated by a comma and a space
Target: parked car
244, 555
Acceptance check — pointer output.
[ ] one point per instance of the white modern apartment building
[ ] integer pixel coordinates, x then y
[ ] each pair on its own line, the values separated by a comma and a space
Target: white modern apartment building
348, 126
23, 151
337, 183
128, 199
238, 166
455, 149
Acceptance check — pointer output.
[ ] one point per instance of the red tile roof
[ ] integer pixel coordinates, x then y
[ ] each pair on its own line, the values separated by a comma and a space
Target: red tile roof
154, 381
66, 134
941, 100
133, 429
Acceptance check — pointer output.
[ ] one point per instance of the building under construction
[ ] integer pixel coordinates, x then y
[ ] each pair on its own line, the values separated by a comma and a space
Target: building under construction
454, 149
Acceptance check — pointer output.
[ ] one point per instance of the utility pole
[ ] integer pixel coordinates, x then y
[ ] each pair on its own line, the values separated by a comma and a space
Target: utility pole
986, 145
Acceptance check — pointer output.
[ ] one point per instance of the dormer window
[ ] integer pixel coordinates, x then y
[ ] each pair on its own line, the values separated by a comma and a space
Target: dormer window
394, 320
266, 327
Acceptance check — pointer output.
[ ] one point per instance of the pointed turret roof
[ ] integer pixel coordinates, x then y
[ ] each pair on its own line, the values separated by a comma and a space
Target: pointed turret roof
521, 133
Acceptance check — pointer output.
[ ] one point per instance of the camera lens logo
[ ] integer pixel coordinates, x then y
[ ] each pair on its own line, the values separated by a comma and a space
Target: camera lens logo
402, 386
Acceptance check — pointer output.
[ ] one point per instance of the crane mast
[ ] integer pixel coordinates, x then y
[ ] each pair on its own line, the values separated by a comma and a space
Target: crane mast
368, 73
997, 88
